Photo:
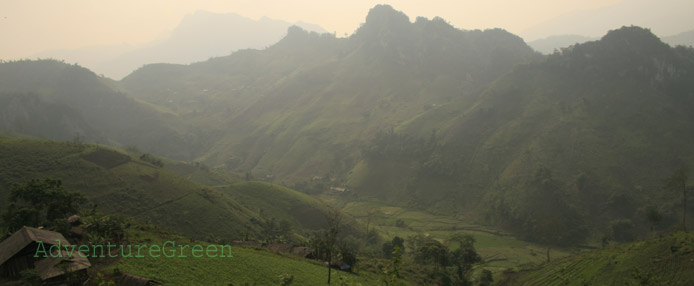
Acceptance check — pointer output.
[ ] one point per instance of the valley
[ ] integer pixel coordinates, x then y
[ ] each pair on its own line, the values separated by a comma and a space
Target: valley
411, 152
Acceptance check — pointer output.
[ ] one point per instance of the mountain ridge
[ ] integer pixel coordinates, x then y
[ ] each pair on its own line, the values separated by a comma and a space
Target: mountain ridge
190, 41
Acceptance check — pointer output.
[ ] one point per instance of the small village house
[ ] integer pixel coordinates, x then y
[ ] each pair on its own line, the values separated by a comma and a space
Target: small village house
18, 252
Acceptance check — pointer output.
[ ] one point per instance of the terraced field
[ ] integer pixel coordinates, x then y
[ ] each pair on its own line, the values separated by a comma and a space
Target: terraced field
117, 183
667, 260
500, 250
247, 266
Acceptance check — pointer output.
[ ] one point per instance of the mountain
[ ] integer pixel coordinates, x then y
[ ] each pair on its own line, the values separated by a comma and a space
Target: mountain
53, 100
663, 18
305, 106
96, 58
199, 36
472, 124
552, 43
682, 39
554, 148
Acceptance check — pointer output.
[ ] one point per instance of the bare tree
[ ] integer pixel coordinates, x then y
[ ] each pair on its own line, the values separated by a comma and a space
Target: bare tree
678, 182
333, 218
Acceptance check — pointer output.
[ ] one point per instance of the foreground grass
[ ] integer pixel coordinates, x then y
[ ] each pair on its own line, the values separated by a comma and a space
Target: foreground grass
248, 266
666, 260
255, 267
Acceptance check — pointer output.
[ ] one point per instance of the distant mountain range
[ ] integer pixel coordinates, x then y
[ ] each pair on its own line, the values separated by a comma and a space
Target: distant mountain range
682, 39
666, 17
554, 43
550, 44
200, 36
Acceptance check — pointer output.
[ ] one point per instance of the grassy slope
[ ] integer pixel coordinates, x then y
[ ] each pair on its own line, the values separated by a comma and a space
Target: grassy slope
123, 185
305, 213
281, 203
247, 265
202, 174
193, 171
120, 184
667, 260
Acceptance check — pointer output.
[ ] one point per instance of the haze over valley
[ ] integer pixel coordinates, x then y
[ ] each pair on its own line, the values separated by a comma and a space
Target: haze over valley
410, 151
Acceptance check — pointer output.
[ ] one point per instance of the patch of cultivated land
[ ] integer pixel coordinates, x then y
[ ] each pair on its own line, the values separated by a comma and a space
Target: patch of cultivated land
665, 260
500, 250
248, 266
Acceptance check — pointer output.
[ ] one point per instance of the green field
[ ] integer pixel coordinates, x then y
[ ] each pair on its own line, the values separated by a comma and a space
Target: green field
499, 250
248, 266
666, 260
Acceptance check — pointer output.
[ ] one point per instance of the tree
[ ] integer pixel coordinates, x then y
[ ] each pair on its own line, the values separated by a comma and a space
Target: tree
678, 182
274, 231
432, 252
348, 255
334, 218
40, 203
149, 158
391, 277
103, 228
486, 278
390, 246
654, 217
622, 230
285, 228
400, 223
465, 255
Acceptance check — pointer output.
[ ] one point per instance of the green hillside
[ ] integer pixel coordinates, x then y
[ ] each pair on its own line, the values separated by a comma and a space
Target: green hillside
119, 184
666, 260
54, 100
303, 211
553, 150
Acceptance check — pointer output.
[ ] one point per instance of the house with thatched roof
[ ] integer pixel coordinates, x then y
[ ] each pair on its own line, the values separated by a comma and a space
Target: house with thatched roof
18, 252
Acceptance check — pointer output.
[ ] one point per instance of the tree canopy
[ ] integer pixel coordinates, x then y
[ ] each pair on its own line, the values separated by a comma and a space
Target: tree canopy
40, 203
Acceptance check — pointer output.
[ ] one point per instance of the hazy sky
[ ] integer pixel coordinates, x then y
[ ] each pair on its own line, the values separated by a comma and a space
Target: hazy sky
31, 26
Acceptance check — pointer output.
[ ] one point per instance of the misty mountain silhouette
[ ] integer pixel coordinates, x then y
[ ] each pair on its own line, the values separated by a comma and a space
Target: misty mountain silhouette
198, 37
